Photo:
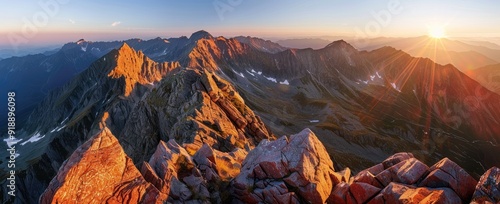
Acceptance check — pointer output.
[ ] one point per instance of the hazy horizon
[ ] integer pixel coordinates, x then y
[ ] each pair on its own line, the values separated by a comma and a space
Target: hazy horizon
58, 21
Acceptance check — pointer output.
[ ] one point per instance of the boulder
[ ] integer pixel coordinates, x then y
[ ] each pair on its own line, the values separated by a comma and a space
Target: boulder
363, 191
396, 158
342, 176
407, 171
390, 194
375, 169
367, 177
400, 193
488, 187
427, 195
295, 168
447, 173
176, 168
340, 193
226, 165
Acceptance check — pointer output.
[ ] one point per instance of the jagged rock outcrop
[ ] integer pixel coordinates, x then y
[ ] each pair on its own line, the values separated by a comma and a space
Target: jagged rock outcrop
180, 179
293, 169
99, 171
202, 178
269, 174
287, 170
400, 193
447, 173
194, 107
135, 68
488, 187
402, 178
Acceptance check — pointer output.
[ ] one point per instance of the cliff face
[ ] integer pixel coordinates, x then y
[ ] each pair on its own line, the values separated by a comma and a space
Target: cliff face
99, 171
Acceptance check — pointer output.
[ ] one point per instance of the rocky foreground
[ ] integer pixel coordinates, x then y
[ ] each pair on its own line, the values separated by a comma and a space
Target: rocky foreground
294, 169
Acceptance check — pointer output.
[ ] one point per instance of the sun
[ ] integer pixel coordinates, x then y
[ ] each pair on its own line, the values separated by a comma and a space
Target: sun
437, 32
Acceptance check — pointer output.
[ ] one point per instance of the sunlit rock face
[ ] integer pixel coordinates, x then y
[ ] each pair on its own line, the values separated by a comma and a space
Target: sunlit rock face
287, 170
99, 171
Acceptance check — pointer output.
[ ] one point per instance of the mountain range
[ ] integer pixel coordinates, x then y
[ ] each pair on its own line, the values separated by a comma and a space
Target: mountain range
466, 55
189, 119
488, 76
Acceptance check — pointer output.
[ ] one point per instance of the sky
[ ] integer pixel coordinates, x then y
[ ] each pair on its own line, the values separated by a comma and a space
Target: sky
44, 22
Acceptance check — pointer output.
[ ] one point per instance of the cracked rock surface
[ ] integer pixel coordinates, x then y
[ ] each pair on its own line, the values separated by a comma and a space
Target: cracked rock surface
288, 170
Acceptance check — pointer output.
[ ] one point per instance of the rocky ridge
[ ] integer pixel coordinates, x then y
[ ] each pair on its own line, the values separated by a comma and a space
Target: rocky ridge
141, 103
188, 132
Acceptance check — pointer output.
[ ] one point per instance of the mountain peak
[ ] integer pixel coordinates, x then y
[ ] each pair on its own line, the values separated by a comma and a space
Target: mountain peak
339, 43
136, 68
125, 48
200, 35
80, 41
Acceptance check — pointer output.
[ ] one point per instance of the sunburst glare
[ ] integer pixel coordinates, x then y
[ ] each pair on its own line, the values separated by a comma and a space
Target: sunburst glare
437, 32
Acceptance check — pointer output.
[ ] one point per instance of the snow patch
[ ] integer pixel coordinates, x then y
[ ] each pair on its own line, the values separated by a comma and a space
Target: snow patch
378, 75
65, 119
271, 79
53, 130
34, 138
60, 128
239, 73
285, 82
314, 121
372, 77
256, 72
395, 86
250, 73
57, 129
11, 142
